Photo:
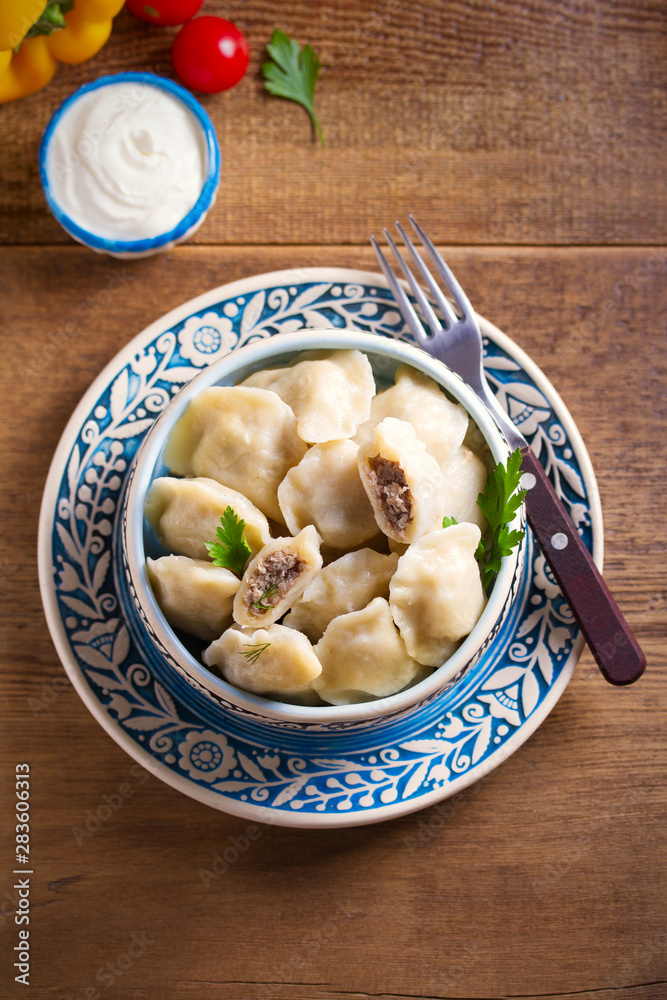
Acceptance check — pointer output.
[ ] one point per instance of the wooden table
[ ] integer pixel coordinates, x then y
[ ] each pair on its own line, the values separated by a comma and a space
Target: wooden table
528, 138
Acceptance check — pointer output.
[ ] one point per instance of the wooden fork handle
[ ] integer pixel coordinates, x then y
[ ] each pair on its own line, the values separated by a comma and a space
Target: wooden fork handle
607, 633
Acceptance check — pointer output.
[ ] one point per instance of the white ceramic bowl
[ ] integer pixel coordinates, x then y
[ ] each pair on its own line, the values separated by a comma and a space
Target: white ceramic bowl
130, 248
145, 618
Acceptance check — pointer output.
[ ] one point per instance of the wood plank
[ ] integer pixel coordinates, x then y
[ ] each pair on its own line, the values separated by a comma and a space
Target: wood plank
547, 878
511, 124
314, 991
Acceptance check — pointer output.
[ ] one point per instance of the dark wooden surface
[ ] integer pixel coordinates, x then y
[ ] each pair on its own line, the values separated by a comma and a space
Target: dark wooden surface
528, 138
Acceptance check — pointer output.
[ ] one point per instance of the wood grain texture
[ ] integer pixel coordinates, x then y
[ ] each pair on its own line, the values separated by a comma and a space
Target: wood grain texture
528, 138
502, 123
547, 878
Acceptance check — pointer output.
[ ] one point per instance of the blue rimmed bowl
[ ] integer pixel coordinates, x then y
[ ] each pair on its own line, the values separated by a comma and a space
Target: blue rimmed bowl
135, 541
130, 249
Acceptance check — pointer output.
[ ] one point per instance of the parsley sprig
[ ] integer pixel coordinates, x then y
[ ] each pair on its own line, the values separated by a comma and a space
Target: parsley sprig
499, 503
231, 551
292, 73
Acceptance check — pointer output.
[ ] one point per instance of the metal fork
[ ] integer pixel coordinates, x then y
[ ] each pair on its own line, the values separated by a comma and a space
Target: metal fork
458, 344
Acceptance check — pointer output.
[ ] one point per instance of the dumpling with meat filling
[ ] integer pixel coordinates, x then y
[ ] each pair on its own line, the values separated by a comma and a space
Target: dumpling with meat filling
403, 482
347, 584
195, 596
274, 661
185, 513
440, 424
325, 490
276, 577
363, 657
329, 391
465, 478
243, 438
436, 594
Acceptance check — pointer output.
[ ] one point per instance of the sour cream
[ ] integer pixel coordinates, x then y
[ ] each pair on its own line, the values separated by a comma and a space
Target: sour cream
127, 161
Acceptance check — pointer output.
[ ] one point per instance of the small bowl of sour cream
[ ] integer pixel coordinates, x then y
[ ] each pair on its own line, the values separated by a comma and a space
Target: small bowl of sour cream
130, 164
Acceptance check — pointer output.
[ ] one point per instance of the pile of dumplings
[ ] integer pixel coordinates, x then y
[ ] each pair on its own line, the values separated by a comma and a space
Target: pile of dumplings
354, 590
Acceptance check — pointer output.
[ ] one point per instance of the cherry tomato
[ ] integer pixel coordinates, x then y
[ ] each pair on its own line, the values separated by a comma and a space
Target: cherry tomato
210, 54
166, 12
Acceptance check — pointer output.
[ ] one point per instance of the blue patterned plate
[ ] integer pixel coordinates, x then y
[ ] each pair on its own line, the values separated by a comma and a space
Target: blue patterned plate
249, 768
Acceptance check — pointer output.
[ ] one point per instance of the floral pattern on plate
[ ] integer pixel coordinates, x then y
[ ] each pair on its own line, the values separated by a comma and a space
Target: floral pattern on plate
256, 769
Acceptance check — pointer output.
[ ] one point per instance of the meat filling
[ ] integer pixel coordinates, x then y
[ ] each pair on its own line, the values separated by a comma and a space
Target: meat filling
392, 492
271, 581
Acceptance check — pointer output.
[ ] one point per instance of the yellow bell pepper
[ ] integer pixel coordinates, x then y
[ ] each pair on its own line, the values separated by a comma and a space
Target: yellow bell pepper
30, 68
16, 19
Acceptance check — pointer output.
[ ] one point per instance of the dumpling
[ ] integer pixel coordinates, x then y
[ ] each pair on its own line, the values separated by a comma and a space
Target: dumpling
363, 657
270, 661
440, 424
243, 438
194, 596
348, 584
379, 543
324, 489
276, 577
465, 478
399, 547
403, 482
436, 594
330, 392
184, 514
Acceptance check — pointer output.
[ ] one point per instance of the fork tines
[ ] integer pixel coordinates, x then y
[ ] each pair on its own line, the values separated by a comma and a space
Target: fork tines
419, 268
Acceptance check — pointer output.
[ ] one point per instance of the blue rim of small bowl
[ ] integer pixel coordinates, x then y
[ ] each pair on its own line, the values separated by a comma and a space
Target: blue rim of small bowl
206, 195
148, 455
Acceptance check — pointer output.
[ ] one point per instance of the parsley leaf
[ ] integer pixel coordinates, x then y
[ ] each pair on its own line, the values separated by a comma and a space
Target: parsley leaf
231, 551
292, 74
448, 521
499, 503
